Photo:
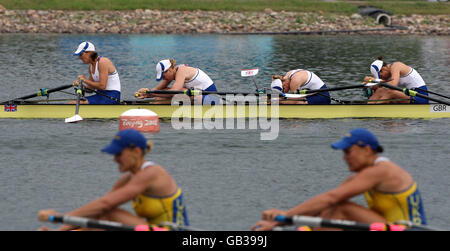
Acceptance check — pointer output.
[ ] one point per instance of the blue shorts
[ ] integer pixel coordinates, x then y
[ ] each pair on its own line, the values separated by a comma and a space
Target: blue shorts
418, 100
98, 99
320, 98
210, 99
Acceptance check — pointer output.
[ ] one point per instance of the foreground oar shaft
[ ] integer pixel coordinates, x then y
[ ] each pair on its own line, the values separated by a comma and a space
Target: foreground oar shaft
89, 223
413, 93
341, 224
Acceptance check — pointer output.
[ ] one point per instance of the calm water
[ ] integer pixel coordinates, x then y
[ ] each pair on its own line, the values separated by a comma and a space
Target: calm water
228, 176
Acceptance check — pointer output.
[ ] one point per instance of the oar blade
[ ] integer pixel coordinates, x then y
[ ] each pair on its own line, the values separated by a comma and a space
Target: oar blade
73, 119
289, 95
249, 72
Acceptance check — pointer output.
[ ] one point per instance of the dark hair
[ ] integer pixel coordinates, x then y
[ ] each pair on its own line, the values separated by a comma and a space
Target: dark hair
94, 55
381, 58
379, 149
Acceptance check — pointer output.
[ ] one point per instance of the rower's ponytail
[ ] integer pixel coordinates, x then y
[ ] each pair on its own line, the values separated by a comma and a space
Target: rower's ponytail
173, 63
381, 58
277, 77
94, 56
149, 147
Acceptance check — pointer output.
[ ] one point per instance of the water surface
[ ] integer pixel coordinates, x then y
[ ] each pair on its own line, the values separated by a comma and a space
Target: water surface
228, 176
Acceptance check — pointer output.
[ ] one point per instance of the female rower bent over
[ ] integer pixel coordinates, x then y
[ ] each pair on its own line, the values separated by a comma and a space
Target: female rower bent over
301, 79
185, 77
154, 194
390, 191
396, 74
103, 76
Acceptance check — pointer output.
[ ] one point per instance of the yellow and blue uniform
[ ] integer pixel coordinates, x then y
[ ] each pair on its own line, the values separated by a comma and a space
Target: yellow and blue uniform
406, 205
159, 209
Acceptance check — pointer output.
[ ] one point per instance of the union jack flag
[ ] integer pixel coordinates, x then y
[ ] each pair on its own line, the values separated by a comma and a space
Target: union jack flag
10, 108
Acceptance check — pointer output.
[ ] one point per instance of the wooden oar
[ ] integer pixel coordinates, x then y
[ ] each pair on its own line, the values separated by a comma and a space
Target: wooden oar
99, 224
43, 92
341, 224
413, 93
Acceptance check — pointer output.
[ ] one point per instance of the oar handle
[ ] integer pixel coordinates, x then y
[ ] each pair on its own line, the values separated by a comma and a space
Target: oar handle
106, 225
332, 223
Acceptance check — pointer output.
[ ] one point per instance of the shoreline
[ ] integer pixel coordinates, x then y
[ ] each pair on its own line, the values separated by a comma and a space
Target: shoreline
213, 22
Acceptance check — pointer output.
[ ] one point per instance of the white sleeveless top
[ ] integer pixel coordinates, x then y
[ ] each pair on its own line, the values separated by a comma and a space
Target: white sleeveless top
200, 81
146, 164
411, 80
381, 159
313, 82
113, 83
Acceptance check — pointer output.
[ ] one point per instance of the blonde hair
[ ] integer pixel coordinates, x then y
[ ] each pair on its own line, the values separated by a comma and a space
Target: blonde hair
149, 147
277, 77
173, 63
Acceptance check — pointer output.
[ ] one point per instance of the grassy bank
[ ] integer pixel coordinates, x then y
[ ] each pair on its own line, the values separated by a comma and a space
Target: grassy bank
339, 7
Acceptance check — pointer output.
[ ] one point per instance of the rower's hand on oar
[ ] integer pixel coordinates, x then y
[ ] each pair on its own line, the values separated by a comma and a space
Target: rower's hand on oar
272, 213
368, 79
43, 215
264, 225
82, 78
43, 228
142, 93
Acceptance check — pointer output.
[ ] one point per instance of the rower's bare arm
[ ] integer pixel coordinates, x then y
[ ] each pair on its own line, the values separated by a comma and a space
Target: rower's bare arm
395, 73
298, 80
358, 184
103, 74
121, 182
162, 85
113, 199
180, 77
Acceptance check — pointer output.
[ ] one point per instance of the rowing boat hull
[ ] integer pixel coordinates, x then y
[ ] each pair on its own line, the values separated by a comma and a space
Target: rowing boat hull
61, 111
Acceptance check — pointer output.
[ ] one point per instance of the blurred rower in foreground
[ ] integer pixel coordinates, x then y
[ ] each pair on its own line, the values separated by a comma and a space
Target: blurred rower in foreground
154, 194
390, 191
297, 80
397, 74
184, 77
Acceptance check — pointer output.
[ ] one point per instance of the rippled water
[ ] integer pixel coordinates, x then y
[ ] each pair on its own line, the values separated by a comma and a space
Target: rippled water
228, 176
